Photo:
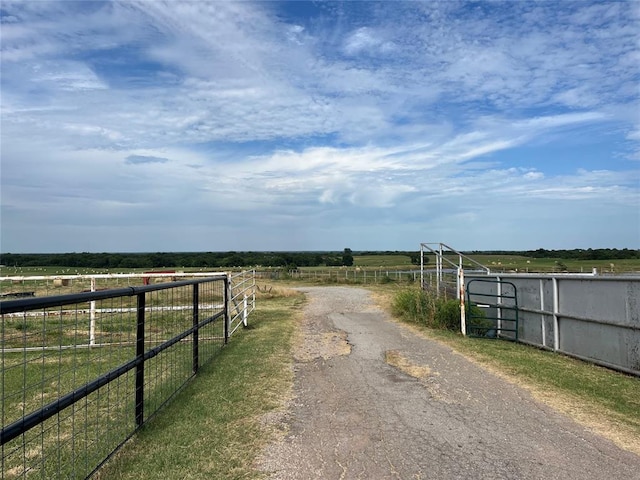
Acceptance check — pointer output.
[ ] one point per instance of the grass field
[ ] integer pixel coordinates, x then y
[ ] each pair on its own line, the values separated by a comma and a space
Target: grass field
508, 263
382, 261
497, 262
547, 265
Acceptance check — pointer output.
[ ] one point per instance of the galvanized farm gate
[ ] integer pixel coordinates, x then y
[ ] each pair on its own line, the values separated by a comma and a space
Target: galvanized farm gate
492, 309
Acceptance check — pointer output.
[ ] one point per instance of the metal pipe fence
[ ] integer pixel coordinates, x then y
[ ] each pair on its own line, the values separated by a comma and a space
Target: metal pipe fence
242, 297
82, 372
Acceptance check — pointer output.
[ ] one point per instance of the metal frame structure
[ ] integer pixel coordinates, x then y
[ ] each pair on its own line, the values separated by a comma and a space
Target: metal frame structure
440, 250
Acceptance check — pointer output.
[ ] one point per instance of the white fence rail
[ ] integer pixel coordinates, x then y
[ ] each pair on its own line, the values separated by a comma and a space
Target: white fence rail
241, 293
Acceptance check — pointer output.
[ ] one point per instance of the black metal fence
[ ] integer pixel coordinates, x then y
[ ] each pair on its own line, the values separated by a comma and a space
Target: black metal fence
67, 403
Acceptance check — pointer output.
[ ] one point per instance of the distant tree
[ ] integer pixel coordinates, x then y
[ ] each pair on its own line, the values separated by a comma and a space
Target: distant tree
332, 261
347, 257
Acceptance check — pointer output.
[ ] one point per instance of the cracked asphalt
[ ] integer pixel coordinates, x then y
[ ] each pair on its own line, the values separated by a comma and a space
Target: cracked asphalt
354, 416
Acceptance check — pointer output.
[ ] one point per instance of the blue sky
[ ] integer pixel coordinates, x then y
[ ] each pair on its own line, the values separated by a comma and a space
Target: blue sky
207, 126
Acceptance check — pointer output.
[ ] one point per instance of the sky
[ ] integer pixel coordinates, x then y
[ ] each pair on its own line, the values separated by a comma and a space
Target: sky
144, 126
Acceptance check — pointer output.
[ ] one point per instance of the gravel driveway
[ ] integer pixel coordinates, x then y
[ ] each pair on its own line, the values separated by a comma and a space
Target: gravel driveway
353, 415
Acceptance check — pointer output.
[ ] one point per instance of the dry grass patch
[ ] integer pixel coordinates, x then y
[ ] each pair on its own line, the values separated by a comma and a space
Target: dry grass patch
402, 363
267, 291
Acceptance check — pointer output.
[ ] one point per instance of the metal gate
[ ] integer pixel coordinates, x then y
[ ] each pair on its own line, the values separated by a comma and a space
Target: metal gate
492, 309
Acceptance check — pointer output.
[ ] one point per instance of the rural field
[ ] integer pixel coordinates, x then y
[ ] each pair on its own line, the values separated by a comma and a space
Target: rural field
507, 263
496, 262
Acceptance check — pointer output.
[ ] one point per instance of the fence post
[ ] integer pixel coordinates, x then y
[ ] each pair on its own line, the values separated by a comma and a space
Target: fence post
253, 290
542, 319
422, 266
140, 360
463, 310
196, 320
556, 310
499, 302
245, 309
227, 306
92, 316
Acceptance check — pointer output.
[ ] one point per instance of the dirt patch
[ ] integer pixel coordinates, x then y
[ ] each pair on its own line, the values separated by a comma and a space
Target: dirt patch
322, 345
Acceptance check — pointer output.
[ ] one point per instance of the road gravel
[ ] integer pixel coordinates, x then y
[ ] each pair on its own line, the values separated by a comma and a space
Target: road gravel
355, 416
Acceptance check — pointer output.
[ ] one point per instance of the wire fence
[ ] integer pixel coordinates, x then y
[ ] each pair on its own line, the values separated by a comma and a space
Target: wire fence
81, 372
345, 275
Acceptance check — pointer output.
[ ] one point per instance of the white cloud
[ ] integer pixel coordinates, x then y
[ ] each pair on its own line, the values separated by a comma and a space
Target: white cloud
396, 107
367, 40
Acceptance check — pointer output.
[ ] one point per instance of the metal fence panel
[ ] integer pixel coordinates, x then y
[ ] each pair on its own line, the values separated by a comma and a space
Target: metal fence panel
596, 318
81, 372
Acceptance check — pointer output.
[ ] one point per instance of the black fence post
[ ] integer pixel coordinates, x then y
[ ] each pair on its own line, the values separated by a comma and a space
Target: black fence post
140, 360
196, 320
227, 301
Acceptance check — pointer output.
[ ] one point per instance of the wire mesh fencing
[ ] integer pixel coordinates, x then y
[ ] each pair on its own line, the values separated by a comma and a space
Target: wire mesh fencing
81, 372
348, 275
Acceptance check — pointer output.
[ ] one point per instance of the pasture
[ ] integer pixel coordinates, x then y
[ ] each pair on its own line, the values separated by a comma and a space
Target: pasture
496, 262
508, 263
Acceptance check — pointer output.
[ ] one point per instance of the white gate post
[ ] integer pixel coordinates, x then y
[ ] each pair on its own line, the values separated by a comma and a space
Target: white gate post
463, 313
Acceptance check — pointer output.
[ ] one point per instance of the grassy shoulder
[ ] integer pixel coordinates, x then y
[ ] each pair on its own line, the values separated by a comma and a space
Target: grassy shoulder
213, 428
603, 400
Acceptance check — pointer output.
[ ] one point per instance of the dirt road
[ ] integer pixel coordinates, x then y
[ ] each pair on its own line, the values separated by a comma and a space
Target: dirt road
433, 416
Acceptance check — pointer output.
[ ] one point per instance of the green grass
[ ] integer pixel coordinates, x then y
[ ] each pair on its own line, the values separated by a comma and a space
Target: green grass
213, 428
501, 263
58, 270
382, 261
70, 443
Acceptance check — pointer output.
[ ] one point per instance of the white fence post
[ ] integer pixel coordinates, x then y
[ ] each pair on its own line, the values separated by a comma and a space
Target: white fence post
245, 313
463, 313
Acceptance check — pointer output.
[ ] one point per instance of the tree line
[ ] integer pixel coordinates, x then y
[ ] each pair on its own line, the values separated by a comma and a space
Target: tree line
178, 259
268, 259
